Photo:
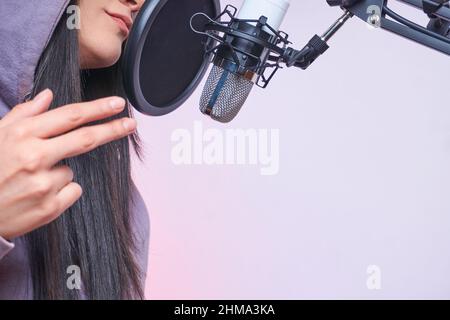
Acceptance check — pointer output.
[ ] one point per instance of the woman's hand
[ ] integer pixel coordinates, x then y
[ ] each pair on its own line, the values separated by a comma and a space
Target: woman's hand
33, 140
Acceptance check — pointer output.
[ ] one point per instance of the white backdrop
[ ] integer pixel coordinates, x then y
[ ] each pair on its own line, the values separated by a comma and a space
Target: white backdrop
363, 179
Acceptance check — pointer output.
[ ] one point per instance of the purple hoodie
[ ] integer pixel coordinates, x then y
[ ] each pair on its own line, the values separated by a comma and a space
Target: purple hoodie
25, 29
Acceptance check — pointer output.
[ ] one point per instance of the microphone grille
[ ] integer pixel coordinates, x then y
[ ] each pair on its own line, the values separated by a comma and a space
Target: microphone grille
224, 95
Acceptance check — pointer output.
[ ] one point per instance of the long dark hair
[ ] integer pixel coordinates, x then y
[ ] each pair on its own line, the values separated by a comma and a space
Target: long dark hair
95, 234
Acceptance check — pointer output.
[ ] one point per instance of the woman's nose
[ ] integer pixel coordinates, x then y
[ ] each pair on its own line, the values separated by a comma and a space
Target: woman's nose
134, 5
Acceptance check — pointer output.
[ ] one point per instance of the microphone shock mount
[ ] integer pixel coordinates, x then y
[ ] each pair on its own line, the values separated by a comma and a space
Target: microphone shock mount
256, 51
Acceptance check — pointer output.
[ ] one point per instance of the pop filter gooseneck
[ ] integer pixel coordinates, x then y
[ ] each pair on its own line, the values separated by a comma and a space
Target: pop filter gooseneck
164, 61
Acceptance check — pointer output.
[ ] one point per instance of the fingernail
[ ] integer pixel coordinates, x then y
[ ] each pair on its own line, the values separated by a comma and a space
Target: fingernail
117, 103
41, 95
129, 124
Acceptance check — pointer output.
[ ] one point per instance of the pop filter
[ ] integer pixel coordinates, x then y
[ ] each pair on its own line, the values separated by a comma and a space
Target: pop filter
164, 60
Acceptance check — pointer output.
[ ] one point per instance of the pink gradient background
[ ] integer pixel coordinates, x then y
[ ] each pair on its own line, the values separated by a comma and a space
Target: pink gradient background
364, 179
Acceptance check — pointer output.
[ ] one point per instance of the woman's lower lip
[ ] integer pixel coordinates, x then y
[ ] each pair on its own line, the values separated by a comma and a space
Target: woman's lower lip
122, 25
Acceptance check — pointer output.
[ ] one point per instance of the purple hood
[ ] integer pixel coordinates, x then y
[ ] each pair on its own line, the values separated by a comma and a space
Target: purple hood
25, 29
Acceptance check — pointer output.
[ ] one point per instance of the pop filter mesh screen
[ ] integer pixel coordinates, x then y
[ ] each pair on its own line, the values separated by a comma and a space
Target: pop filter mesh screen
173, 54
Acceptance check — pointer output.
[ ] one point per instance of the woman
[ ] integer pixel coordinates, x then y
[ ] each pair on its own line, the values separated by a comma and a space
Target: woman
68, 207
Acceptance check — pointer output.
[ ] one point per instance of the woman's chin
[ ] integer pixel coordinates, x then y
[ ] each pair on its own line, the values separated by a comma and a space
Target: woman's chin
99, 60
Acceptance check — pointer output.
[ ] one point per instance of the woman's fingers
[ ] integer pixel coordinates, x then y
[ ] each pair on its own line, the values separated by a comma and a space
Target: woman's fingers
61, 177
67, 197
70, 117
48, 210
86, 139
55, 206
38, 105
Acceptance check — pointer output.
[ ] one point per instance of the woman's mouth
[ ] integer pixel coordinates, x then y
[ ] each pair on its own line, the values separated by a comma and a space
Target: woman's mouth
124, 22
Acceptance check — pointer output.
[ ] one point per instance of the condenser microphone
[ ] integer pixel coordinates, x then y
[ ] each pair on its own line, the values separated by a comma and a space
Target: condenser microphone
170, 48
240, 61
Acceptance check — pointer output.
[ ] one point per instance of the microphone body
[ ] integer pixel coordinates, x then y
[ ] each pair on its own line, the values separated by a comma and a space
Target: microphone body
273, 10
240, 61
